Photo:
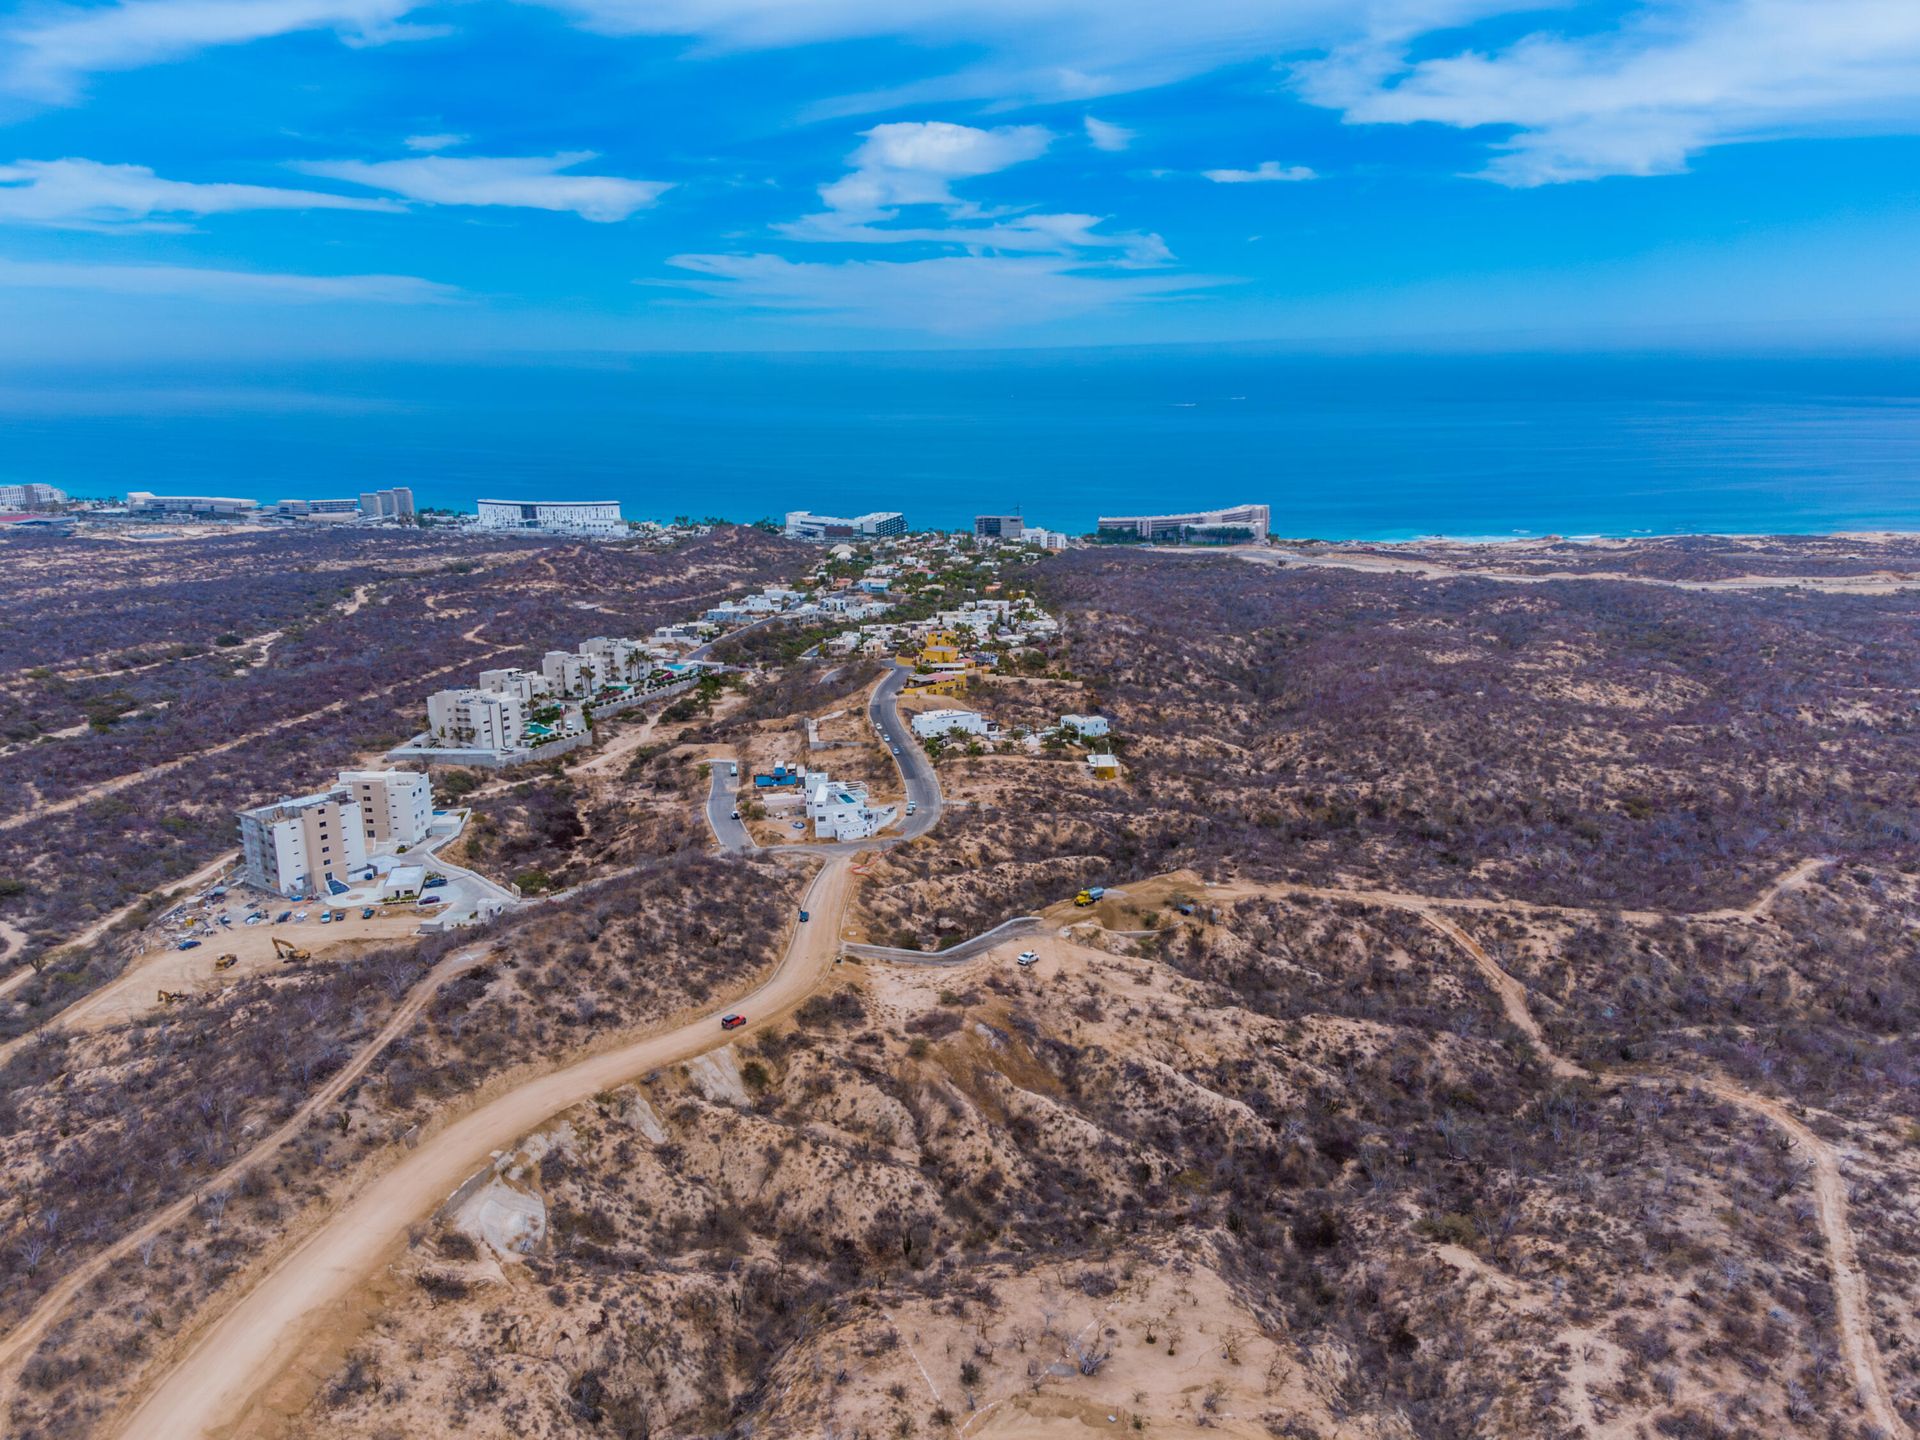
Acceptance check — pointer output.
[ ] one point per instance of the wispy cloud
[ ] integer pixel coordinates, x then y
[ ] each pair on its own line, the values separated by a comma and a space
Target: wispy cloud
88, 194
250, 286
46, 53
1105, 136
533, 182
1642, 97
1266, 172
912, 166
944, 295
430, 143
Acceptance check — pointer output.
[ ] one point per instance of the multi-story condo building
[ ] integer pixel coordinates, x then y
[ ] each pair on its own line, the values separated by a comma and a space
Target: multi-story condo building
620, 659
805, 525
480, 719
396, 806
571, 674
998, 527
31, 496
297, 847
597, 518
527, 686
394, 504
145, 502
1206, 527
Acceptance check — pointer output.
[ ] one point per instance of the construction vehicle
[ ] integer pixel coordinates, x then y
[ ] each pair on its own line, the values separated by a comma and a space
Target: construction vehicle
1089, 896
226, 962
173, 997
287, 950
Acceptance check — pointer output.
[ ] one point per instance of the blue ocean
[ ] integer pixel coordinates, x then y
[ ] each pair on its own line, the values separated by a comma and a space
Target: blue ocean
1341, 446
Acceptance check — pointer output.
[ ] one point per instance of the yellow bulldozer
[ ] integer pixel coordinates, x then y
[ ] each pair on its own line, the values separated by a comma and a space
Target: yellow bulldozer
173, 997
287, 950
226, 962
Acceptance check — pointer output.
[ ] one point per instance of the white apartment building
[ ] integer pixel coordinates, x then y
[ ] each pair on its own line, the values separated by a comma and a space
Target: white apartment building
950, 722
479, 719
226, 507
31, 496
1248, 522
296, 847
394, 504
839, 812
597, 518
526, 686
572, 674
396, 807
619, 659
1087, 727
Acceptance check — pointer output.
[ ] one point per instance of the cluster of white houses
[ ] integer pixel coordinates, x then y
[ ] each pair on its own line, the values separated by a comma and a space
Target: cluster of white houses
314, 845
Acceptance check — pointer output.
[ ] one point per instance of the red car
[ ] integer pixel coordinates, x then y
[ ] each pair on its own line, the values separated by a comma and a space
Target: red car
732, 1022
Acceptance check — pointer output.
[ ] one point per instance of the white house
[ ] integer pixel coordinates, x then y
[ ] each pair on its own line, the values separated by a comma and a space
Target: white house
571, 674
950, 722
1087, 727
839, 812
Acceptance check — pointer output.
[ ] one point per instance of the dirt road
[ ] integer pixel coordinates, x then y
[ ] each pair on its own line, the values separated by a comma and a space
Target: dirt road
232, 1361
164, 767
21, 1340
205, 875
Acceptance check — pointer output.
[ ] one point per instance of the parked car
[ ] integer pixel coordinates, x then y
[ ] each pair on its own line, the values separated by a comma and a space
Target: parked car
429, 900
283, 917
189, 944
366, 912
732, 1022
1027, 957
327, 918
434, 882
298, 916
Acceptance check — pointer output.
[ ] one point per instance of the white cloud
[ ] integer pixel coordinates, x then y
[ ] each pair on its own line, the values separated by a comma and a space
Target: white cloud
251, 286
1644, 96
946, 295
1267, 171
1105, 136
430, 143
530, 182
47, 53
915, 163
88, 194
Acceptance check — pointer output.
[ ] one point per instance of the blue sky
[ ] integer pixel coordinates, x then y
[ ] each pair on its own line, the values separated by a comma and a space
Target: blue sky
341, 177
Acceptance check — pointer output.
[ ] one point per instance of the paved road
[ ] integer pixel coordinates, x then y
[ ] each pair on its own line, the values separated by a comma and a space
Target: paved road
721, 798
923, 791
957, 954
916, 776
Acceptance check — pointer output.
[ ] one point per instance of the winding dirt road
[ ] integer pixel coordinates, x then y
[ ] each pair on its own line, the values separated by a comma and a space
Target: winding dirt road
20, 1341
230, 1362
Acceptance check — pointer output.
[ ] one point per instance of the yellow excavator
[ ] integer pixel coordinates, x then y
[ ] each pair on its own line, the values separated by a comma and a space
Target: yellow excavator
173, 997
226, 962
287, 950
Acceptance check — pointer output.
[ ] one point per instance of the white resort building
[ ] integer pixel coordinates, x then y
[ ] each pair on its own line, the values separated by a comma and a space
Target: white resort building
596, 518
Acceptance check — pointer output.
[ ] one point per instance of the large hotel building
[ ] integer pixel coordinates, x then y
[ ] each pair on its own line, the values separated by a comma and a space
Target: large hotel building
1204, 527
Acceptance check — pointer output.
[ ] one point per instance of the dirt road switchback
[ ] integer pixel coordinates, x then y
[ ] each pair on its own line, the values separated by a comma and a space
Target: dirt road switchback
220, 1381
